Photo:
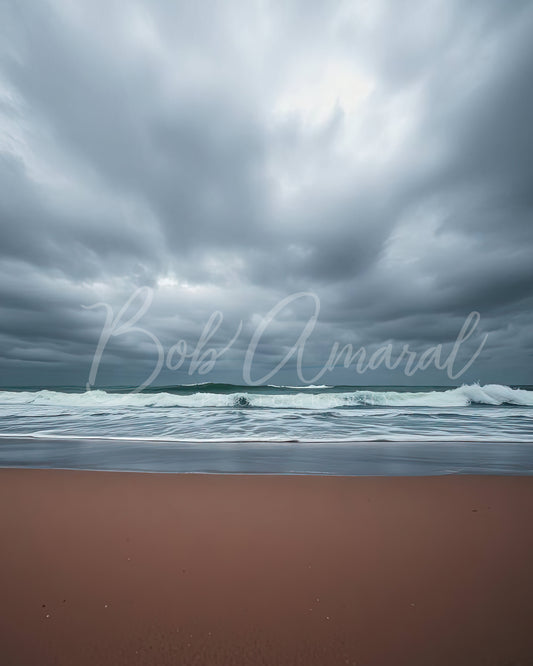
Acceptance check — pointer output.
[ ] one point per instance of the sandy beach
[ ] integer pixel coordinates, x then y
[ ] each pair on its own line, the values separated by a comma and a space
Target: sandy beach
124, 568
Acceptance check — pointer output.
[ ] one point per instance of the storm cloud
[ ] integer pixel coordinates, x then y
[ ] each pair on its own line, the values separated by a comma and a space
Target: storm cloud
228, 155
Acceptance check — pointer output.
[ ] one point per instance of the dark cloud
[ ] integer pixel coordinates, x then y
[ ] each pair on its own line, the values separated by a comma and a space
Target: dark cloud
376, 154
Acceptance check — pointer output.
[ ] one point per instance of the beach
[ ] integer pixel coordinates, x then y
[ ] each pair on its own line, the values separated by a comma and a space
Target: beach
131, 568
266, 315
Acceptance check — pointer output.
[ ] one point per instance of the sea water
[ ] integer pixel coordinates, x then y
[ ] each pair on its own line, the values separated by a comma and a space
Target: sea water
271, 429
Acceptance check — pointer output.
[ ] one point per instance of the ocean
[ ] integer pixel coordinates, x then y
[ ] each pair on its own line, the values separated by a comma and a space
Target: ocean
470, 429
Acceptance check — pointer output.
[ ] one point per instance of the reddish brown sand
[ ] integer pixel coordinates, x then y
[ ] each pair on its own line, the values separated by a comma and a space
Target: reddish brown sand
106, 569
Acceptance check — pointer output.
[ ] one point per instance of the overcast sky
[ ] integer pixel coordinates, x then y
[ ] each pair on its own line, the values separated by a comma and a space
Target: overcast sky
377, 154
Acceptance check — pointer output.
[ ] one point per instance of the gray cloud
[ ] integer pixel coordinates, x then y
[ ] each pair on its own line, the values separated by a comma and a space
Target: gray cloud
377, 155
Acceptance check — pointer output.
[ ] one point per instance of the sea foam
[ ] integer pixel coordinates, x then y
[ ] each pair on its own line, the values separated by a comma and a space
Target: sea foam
491, 394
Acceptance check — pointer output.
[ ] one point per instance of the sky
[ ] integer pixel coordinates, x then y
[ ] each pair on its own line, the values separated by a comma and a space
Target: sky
361, 170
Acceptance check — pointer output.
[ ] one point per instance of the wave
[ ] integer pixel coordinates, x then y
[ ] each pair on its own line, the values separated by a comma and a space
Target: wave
301, 388
210, 387
356, 438
463, 396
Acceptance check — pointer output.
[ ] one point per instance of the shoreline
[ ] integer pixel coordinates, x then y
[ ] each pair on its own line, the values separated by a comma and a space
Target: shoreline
371, 458
133, 568
266, 475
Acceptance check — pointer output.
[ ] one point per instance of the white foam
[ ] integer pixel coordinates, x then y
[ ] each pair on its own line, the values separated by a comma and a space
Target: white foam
491, 394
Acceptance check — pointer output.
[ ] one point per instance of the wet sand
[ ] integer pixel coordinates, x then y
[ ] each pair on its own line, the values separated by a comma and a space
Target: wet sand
100, 568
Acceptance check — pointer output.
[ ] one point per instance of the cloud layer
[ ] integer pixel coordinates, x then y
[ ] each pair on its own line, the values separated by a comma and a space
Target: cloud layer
376, 154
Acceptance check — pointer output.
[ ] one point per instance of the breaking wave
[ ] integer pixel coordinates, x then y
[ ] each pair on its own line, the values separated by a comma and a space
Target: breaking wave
323, 398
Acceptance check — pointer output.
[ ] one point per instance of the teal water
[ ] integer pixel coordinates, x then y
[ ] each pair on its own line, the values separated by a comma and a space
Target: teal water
229, 413
271, 429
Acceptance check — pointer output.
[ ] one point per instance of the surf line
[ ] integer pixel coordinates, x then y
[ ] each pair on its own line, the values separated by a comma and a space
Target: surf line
203, 358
